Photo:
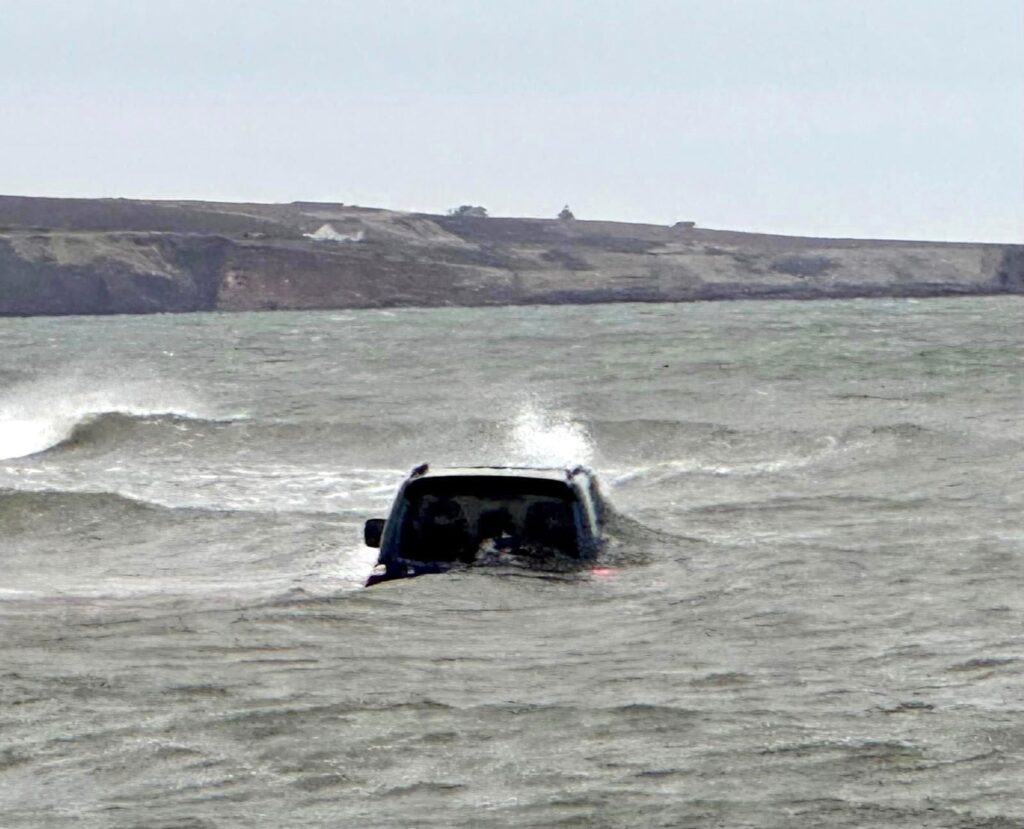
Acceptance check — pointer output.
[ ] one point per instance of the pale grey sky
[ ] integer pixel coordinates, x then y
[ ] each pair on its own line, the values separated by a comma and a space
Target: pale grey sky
875, 118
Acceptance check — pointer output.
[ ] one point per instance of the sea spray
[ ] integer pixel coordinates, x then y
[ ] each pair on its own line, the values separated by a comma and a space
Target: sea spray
548, 438
39, 415
20, 437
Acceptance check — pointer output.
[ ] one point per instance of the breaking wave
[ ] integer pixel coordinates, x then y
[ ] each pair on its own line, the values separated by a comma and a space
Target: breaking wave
39, 416
21, 438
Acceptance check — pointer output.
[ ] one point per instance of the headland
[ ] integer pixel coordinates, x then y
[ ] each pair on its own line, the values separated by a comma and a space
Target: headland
126, 256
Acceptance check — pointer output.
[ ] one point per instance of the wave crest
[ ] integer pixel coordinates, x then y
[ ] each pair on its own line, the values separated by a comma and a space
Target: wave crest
40, 416
22, 438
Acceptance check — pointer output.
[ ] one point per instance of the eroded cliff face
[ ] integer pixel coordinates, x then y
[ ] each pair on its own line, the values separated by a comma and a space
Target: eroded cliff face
72, 256
113, 273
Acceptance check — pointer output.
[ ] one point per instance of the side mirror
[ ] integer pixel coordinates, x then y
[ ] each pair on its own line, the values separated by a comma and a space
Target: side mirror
372, 532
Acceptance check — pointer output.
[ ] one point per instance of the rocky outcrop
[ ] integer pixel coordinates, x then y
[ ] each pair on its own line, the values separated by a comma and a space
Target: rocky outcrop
81, 256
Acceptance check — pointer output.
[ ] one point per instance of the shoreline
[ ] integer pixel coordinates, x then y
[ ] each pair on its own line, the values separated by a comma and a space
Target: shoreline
63, 257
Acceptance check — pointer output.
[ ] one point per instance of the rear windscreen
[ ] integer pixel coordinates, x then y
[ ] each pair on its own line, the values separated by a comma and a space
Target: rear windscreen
468, 518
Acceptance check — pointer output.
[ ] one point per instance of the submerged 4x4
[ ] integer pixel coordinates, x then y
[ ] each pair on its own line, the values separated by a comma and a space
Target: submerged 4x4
540, 518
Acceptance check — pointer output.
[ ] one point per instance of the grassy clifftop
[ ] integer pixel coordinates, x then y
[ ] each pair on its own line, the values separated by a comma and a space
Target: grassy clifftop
94, 256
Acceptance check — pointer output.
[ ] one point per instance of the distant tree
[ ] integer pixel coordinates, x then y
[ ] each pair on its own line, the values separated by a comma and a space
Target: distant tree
566, 214
473, 211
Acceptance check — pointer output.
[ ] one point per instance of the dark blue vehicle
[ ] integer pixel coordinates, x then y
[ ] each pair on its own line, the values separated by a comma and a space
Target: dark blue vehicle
540, 518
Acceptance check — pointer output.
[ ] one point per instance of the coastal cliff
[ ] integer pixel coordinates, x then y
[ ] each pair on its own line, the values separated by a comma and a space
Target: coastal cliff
102, 256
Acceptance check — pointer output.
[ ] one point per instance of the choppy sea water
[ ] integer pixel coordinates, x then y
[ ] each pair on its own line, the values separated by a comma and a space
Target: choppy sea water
814, 619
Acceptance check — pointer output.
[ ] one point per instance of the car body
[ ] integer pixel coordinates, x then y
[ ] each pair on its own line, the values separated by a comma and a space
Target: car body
537, 517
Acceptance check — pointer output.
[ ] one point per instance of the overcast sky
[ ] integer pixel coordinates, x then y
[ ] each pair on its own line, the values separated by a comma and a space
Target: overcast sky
872, 118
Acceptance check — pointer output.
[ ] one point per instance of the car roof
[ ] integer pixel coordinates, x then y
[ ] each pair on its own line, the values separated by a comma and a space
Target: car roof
549, 473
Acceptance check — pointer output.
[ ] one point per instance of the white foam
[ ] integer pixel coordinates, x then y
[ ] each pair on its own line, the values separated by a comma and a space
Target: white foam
750, 468
21, 437
38, 416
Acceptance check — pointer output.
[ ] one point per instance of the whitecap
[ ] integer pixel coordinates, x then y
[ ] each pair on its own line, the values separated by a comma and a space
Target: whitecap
37, 416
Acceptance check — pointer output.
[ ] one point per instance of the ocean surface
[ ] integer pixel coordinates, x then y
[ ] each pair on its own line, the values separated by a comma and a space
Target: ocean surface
812, 613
